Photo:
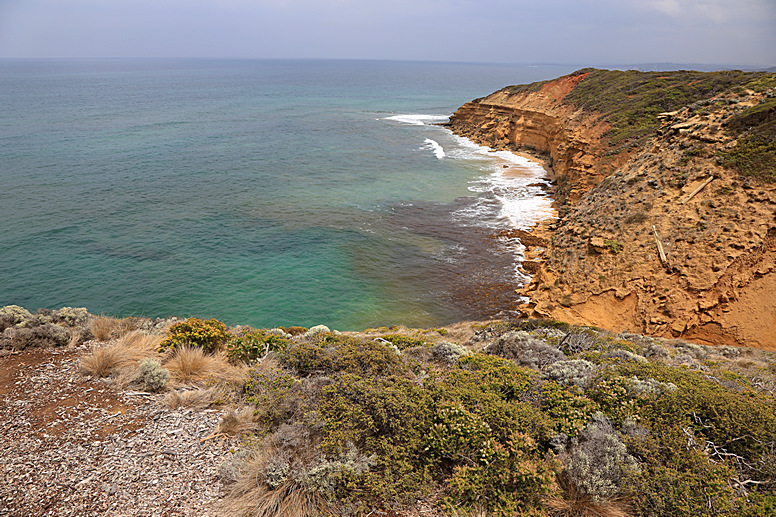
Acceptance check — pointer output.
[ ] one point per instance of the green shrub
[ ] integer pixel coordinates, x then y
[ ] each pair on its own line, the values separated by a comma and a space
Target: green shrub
493, 374
459, 436
611, 392
722, 421
614, 246
631, 100
333, 353
494, 390
753, 155
295, 330
364, 427
540, 325
253, 344
386, 416
512, 480
569, 409
688, 484
210, 335
403, 342
275, 394
759, 504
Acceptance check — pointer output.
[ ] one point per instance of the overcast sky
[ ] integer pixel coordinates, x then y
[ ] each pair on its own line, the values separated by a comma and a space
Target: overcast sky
584, 32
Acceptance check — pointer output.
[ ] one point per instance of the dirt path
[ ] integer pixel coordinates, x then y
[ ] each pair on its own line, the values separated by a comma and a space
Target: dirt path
70, 445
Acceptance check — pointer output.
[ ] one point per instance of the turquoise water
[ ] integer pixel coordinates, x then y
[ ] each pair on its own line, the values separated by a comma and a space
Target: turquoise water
257, 192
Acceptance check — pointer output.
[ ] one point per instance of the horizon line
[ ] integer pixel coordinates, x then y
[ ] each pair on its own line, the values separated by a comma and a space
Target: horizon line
719, 66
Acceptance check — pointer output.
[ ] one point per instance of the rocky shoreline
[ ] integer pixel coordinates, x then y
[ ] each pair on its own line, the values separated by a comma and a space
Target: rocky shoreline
601, 265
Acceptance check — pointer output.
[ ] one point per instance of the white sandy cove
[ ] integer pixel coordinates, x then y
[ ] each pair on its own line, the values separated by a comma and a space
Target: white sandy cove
515, 181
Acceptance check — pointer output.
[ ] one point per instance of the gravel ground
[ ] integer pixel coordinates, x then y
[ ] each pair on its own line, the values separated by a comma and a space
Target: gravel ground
75, 446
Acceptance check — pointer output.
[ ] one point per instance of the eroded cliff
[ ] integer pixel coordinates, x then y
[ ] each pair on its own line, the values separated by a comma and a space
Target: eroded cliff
623, 183
538, 121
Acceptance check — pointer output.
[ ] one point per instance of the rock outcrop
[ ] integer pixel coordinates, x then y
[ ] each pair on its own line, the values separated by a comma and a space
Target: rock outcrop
602, 265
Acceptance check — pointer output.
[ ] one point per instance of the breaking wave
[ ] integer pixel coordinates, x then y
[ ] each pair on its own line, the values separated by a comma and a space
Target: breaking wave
438, 150
419, 120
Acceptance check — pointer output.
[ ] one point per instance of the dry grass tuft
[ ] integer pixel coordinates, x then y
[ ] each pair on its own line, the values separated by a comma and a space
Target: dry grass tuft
127, 325
200, 398
121, 357
102, 361
191, 365
143, 344
252, 495
103, 327
289, 500
575, 503
236, 422
76, 336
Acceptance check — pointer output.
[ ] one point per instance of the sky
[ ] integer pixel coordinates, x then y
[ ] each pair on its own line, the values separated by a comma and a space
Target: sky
584, 32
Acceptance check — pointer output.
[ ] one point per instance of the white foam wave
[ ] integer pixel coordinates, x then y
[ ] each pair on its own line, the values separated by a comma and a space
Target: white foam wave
468, 150
509, 194
438, 150
516, 182
418, 119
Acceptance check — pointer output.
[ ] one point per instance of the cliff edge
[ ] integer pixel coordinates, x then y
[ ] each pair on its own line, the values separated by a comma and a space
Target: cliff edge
666, 191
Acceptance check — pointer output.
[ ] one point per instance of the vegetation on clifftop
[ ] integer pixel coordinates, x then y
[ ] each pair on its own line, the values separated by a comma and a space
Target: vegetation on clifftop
631, 100
506, 418
755, 151
661, 184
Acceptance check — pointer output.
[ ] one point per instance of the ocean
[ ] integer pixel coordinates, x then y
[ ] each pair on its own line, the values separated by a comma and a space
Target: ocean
259, 192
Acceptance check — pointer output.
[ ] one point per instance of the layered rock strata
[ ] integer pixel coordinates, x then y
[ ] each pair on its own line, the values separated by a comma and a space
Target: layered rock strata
602, 265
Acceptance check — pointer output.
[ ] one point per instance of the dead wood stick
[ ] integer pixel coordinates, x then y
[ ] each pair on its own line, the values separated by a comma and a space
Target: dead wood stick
211, 436
663, 258
692, 194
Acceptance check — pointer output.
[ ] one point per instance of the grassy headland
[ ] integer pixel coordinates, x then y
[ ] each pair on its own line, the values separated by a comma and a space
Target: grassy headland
524, 417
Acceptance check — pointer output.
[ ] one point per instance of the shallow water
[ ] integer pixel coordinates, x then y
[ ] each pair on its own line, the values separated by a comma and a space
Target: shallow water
258, 192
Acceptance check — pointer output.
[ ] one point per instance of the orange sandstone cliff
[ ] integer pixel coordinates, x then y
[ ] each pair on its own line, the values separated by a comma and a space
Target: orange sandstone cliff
627, 150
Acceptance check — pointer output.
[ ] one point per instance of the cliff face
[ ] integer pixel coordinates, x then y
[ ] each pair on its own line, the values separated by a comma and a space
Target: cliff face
540, 122
601, 264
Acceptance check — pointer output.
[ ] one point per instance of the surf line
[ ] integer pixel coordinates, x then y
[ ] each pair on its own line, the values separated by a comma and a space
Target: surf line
438, 150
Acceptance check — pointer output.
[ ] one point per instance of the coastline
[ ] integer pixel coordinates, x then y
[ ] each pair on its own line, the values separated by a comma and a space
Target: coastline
634, 247
304, 203
534, 239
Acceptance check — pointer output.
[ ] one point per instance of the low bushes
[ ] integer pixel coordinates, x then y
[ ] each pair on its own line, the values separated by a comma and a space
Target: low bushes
252, 344
330, 353
549, 420
210, 335
552, 420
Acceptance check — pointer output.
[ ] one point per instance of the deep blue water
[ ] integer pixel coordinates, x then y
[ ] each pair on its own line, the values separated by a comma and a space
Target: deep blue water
257, 192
